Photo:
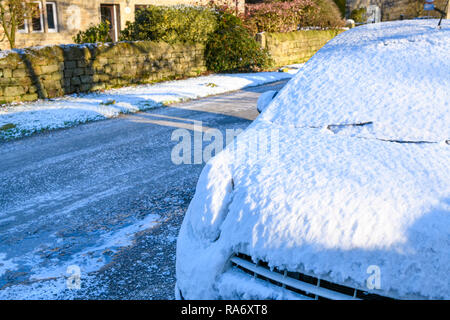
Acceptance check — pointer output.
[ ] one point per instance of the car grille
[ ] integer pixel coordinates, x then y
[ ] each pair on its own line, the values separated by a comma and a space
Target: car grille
305, 285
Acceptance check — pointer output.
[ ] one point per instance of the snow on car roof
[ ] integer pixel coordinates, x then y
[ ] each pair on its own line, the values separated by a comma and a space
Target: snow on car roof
393, 77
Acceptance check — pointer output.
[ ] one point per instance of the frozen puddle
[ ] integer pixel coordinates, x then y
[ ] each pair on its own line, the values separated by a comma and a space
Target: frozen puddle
54, 266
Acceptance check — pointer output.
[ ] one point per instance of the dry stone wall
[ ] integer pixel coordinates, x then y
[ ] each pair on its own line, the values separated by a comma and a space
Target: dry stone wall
53, 71
295, 47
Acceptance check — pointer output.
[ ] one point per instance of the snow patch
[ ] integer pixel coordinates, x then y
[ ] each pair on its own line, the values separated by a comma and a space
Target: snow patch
94, 258
68, 111
6, 265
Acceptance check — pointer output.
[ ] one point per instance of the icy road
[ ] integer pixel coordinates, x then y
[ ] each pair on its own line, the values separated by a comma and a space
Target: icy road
93, 212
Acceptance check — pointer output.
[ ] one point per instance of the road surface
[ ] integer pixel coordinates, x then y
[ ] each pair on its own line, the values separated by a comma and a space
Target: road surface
93, 212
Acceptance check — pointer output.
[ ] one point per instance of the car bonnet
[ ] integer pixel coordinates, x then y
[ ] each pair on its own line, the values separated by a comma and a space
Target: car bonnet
389, 81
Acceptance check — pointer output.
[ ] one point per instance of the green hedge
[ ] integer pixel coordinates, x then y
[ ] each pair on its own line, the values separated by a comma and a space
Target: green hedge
229, 46
341, 5
359, 15
94, 34
171, 24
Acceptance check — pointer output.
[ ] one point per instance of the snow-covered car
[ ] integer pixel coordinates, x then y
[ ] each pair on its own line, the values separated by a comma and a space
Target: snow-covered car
353, 200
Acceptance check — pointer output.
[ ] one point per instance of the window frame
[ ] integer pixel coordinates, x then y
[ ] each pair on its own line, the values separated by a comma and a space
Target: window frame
54, 13
41, 19
25, 27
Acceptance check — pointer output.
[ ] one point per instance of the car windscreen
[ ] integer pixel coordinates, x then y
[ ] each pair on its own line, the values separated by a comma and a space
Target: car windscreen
387, 80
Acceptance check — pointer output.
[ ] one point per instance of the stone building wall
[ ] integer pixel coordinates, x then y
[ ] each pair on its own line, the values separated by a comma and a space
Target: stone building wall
76, 15
397, 9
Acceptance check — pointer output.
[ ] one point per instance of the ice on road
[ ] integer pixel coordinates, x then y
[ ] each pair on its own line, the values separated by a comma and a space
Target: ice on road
104, 197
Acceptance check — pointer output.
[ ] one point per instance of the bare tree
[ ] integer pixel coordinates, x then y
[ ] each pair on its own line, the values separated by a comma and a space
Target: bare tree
13, 14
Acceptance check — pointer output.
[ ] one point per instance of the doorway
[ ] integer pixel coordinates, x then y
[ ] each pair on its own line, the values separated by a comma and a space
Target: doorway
111, 14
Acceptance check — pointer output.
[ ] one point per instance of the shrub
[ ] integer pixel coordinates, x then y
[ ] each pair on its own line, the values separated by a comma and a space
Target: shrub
290, 15
359, 15
327, 16
94, 34
171, 24
341, 5
232, 49
229, 46
275, 16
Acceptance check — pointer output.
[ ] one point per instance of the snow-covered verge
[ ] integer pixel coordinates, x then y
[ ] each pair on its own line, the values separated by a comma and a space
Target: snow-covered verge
50, 289
27, 118
341, 197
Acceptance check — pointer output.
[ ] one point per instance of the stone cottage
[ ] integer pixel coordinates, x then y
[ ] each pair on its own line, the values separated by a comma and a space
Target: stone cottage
386, 10
60, 20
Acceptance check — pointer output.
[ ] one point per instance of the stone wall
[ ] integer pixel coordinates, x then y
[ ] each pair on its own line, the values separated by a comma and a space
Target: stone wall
47, 72
295, 47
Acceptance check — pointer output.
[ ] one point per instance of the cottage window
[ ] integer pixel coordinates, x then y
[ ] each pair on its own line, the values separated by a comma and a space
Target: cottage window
52, 17
23, 28
37, 21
